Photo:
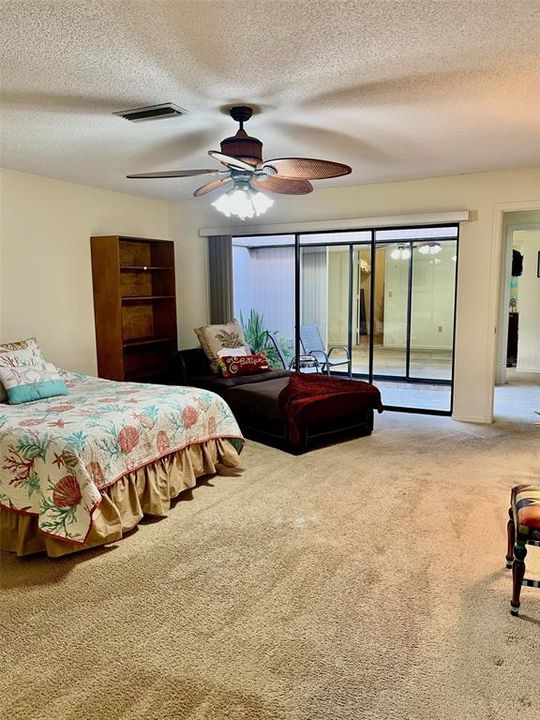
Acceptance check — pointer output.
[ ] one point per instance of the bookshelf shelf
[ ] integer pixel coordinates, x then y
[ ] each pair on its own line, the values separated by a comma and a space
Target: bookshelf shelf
143, 268
145, 298
146, 341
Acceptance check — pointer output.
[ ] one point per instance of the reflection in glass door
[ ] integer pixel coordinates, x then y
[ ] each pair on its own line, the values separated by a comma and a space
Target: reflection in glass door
432, 309
325, 305
362, 311
335, 299
392, 263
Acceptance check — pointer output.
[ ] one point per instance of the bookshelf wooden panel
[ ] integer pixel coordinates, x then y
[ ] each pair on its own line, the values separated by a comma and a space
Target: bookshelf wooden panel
134, 307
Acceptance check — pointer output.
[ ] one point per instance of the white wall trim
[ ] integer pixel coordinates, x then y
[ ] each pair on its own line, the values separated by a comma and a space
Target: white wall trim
483, 419
340, 224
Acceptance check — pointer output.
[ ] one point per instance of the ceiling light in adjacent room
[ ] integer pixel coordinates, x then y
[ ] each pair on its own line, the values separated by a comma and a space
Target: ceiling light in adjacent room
402, 252
243, 201
430, 248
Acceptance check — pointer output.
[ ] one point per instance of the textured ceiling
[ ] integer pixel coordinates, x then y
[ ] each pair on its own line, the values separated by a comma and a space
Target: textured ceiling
396, 89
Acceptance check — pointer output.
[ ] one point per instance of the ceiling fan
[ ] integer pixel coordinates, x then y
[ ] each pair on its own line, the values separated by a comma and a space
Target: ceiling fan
249, 173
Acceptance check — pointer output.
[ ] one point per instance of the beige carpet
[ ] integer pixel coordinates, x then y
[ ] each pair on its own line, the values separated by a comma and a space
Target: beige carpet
364, 580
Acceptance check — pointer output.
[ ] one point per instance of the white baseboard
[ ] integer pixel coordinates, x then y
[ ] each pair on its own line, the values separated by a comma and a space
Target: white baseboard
473, 419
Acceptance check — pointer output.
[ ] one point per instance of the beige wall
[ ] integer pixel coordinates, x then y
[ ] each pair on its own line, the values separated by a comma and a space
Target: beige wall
191, 257
45, 271
486, 194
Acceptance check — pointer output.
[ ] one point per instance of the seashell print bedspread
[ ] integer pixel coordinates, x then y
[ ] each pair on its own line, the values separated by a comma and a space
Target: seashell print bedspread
56, 454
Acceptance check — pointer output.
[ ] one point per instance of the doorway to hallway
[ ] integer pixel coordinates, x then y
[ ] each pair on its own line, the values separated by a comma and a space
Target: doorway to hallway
517, 391
518, 400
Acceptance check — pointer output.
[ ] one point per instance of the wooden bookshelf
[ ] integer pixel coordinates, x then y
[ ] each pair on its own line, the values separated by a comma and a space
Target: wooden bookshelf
134, 307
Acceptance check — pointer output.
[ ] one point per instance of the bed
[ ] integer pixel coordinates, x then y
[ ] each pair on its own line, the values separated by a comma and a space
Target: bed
80, 470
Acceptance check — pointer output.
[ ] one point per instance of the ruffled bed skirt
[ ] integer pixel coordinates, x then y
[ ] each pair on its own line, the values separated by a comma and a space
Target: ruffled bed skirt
147, 491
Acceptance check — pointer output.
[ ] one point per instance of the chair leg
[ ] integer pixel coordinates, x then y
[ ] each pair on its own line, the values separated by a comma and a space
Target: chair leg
518, 573
511, 535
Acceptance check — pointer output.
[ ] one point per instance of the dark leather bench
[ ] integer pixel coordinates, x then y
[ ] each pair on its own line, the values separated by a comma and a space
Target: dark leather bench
254, 402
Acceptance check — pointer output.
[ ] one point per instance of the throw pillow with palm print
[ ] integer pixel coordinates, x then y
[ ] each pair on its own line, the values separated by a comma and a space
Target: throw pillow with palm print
230, 338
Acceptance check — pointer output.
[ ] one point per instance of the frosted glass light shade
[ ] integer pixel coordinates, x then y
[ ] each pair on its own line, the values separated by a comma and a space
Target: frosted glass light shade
243, 202
400, 253
430, 249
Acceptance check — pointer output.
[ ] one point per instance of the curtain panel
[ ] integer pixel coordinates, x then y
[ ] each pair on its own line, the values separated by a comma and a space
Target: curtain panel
220, 273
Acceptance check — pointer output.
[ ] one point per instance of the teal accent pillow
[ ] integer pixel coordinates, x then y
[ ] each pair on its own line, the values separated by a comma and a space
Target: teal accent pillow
26, 351
26, 383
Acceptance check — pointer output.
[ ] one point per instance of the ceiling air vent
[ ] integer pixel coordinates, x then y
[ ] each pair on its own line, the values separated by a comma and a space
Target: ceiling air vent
153, 112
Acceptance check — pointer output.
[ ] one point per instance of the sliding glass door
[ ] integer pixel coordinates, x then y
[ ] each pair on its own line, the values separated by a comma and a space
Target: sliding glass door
335, 298
375, 304
264, 294
366, 319
392, 264
432, 310
416, 279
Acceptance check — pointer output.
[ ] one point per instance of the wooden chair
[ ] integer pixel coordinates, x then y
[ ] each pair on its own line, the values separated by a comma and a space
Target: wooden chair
312, 344
523, 530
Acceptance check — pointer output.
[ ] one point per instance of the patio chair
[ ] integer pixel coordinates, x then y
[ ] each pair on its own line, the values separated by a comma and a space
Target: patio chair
312, 344
306, 363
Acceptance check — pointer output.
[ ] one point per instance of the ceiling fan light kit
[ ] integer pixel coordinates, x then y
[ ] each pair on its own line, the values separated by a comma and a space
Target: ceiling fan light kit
244, 202
249, 173
432, 248
402, 252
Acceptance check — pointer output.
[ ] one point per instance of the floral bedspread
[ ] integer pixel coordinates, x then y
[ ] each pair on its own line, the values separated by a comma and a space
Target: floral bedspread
56, 454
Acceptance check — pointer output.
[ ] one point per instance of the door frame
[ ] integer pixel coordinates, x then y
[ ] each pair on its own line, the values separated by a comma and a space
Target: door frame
504, 297
499, 324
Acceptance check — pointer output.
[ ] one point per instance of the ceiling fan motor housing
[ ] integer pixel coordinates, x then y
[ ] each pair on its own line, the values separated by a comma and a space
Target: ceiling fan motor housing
243, 146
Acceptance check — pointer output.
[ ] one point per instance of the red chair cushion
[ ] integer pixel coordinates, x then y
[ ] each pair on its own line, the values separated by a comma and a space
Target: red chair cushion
526, 508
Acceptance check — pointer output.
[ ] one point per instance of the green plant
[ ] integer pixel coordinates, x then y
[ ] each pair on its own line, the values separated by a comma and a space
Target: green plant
257, 337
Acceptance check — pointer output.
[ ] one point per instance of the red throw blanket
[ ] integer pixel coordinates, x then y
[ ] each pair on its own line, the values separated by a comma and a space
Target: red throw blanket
316, 398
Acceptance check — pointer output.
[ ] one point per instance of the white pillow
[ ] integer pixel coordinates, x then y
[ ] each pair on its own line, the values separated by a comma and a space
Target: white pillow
233, 352
26, 352
26, 382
